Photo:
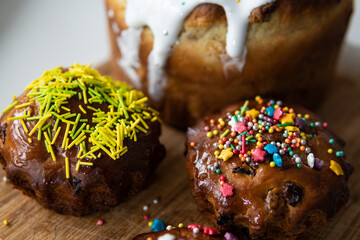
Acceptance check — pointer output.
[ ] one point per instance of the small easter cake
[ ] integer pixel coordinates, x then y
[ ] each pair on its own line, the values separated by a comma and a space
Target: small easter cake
267, 170
79, 142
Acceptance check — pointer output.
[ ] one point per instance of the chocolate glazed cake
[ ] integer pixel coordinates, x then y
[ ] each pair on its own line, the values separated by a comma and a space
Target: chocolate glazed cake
266, 169
187, 55
79, 142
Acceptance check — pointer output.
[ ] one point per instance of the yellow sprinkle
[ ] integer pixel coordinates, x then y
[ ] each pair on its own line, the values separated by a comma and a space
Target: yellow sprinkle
150, 224
29, 140
90, 152
65, 135
67, 169
23, 105
67, 144
82, 109
6, 222
336, 168
76, 139
86, 163
77, 166
291, 128
40, 123
80, 151
181, 225
141, 129
91, 108
65, 108
272, 164
85, 97
24, 126
49, 145
56, 135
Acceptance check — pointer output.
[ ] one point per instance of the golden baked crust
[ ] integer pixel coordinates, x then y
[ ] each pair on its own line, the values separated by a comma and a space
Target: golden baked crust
289, 55
270, 202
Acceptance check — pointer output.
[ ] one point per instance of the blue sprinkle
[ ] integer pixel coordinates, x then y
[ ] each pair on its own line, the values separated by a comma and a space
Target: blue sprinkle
271, 149
158, 225
277, 159
270, 111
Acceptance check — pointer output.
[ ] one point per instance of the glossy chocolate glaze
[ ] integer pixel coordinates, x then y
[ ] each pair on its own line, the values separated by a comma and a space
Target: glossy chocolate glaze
30, 168
268, 202
178, 233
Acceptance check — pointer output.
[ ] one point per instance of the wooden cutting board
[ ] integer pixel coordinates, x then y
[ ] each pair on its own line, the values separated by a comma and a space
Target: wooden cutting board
28, 220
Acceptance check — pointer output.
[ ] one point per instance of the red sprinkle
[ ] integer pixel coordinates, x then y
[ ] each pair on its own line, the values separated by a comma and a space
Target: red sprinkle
146, 217
192, 226
222, 178
100, 222
210, 231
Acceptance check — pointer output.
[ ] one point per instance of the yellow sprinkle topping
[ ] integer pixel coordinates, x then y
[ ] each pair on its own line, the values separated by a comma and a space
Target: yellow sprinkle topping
118, 113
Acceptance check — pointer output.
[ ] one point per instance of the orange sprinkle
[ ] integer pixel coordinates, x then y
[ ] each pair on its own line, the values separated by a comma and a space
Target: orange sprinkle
212, 121
219, 126
287, 141
233, 134
192, 144
302, 148
236, 140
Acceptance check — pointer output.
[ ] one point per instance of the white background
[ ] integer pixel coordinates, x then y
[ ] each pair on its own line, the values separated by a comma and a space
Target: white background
36, 35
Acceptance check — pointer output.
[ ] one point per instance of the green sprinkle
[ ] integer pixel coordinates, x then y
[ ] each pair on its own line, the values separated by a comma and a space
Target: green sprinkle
285, 125
243, 108
10, 107
225, 133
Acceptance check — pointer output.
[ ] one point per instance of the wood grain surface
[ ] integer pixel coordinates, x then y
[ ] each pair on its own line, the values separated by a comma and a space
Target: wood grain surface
28, 220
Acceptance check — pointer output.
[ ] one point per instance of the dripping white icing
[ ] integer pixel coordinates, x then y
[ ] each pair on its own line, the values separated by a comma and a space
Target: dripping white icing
129, 44
165, 19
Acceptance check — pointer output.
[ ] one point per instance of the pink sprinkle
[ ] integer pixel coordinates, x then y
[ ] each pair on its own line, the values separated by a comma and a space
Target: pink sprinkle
227, 190
268, 104
292, 145
285, 149
251, 132
206, 128
325, 124
246, 155
262, 111
263, 129
228, 142
265, 143
100, 222
146, 217
224, 139
295, 134
243, 150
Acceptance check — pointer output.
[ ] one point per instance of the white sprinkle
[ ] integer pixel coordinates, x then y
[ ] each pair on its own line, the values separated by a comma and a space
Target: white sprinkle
155, 201
167, 236
4, 179
145, 208
169, 227
196, 230
311, 160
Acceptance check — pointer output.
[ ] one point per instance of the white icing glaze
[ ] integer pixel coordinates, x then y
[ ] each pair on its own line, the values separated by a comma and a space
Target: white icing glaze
166, 236
129, 43
165, 19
